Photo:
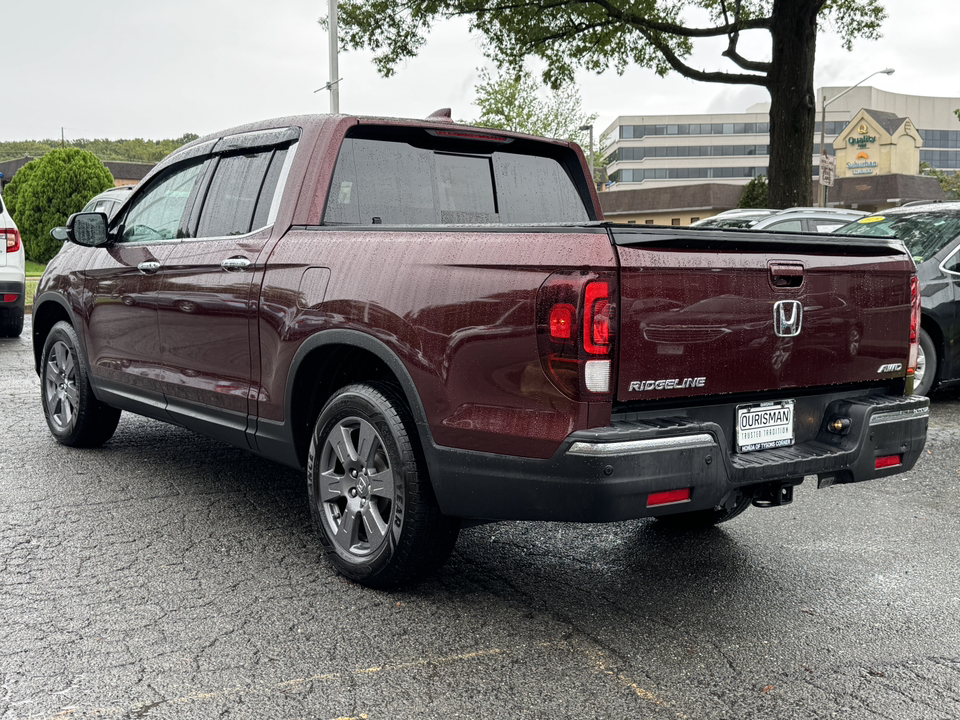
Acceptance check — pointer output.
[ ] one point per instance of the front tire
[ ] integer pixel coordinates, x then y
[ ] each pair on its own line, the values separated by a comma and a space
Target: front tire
74, 415
370, 497
926, 374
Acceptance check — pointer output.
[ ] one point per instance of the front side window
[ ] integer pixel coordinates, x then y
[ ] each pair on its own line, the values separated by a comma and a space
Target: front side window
158, 214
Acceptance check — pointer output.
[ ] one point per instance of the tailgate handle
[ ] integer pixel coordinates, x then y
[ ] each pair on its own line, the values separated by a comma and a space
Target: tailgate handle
786, 275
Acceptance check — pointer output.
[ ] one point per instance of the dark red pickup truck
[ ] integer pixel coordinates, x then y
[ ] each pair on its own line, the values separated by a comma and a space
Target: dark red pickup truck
436, 324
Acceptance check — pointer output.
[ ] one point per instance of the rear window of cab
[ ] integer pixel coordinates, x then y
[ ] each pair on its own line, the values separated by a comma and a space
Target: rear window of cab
416, 178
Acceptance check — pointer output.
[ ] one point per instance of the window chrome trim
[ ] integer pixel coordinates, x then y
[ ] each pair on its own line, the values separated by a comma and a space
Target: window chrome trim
947, 259
635, 447
281, 183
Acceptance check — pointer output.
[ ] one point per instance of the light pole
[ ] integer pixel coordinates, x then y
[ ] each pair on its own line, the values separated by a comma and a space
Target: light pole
593, 178
333, 85
822, 195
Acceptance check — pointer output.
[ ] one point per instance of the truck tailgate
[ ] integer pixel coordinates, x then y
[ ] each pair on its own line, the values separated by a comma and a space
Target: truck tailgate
711, 312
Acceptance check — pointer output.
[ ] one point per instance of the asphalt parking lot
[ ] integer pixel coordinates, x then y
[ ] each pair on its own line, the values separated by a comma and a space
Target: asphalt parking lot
169, 576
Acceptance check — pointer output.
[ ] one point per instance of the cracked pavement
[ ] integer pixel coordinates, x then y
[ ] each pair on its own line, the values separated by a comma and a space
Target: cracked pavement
170, 576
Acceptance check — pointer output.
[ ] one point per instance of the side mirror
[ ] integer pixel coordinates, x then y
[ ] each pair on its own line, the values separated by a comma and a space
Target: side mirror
87, 228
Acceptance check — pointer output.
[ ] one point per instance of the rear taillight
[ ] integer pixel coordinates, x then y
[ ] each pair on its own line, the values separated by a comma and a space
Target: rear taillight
576, 330
12, 237
914, 325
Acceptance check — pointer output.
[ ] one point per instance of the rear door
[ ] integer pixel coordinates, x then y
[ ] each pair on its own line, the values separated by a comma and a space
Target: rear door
209, 282
707, 313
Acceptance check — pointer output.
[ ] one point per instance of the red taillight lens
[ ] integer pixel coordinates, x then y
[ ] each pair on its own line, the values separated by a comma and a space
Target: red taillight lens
576, 328
12, 236
914, 325
562, 318
668, 497
10, 297
888, 461
596, 326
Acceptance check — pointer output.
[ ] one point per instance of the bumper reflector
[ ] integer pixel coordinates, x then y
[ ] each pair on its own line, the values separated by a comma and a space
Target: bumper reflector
668, 497
10, 297
887, 461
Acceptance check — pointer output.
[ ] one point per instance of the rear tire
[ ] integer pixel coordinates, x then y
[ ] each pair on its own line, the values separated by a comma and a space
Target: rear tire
11, 323
700, 519
926, 374
74, 415
370, 497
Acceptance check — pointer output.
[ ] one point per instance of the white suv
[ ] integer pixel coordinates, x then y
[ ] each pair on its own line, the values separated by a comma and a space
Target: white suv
13, 279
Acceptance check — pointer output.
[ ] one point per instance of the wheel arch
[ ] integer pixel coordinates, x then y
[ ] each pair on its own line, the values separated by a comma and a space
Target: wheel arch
932, 328
48, 310
330, 360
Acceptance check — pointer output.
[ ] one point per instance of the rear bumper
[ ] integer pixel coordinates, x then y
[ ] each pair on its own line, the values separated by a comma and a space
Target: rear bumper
12, 283
608, 474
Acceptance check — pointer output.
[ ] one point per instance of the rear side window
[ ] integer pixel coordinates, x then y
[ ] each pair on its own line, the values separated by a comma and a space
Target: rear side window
396, 183
233, 194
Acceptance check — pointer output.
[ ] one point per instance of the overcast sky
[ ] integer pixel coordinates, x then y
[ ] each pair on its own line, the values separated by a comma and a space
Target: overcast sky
156, 70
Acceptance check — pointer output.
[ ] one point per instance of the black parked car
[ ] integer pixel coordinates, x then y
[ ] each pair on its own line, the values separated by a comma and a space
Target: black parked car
932, 234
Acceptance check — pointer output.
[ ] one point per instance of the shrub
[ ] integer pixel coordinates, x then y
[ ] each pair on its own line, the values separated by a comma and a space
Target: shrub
61, 184
756, 194
20, 178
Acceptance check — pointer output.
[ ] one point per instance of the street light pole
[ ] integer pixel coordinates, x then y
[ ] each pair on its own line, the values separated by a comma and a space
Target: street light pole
334, 83
822, 195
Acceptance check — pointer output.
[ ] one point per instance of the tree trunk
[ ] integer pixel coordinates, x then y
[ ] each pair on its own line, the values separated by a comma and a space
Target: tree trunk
793, 109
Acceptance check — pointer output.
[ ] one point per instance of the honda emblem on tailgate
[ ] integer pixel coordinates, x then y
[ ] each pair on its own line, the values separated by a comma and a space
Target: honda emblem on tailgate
787, 318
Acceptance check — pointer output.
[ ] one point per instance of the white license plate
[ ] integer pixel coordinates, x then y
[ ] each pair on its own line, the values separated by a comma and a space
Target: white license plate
763, 426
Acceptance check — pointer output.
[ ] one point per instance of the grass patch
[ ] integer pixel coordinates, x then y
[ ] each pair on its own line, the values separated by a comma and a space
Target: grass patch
34, 268
31, 290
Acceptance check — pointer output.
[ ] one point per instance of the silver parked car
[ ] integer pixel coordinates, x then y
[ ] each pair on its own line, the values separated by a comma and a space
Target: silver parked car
808, 219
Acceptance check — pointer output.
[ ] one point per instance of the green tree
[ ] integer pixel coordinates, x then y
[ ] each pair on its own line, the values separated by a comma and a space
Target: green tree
12, 190
949, 182
756, 193
136, 150
512, 101
600, 34
61, 184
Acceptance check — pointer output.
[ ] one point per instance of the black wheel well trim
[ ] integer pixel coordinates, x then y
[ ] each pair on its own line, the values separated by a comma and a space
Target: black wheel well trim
933, 329
41, 306
381, 351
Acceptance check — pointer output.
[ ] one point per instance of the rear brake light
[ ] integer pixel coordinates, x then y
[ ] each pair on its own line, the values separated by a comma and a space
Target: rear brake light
668, 497
888, 461
596, 327
576, 323
12, 236
914, 325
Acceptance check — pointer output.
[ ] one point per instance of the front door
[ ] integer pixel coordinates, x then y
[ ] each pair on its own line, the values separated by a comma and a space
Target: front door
121, 284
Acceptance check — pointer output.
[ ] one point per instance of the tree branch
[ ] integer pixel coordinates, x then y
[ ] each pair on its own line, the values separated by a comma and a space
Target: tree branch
715, 77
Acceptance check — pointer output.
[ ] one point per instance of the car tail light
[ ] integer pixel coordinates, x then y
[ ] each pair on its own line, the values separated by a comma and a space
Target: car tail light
668, 497
914, 325
12, 237
576, 331
888, 461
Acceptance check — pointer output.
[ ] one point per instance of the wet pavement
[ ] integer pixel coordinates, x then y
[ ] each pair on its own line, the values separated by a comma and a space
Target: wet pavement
170, 576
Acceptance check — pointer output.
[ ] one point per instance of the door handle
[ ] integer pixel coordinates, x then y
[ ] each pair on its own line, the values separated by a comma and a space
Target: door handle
149, 267
235, 263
